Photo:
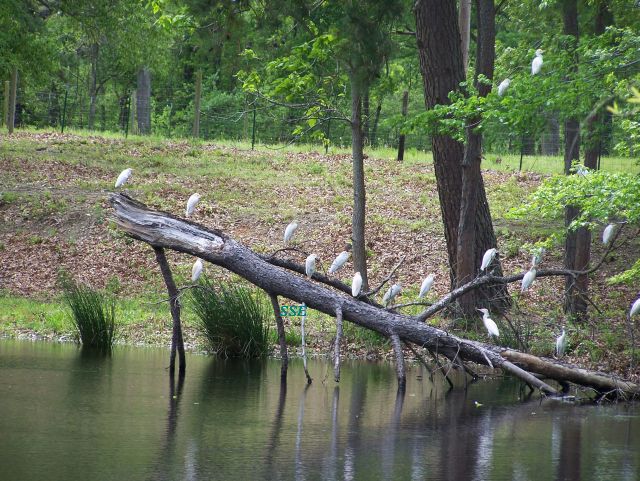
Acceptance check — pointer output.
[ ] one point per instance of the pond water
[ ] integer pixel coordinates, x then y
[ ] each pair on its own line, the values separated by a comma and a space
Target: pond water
65, 415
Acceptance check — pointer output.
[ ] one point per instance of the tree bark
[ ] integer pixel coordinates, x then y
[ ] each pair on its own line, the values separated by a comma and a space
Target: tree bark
93, 85
11, 116
464, 24
366, 139
143, 99
162, 230
405, 108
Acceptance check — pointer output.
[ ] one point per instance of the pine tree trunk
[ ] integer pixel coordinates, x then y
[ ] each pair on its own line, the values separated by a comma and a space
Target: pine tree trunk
93, 83
359, 198
143, 101
464, 23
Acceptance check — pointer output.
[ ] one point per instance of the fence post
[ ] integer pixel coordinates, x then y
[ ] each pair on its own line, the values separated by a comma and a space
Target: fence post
5, 110
405, 108
12, 100
196, 113
64, 110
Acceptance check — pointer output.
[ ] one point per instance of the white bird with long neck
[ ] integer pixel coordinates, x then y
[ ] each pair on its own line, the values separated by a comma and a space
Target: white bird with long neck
635, 308
504, 85
289, 231
561, 343
123, 177
489, 324
426, 286
607, 234
356, 284
537, 62
528, 279
487, 258
191, 204
393, 291
310, 265
339, 261
196, 270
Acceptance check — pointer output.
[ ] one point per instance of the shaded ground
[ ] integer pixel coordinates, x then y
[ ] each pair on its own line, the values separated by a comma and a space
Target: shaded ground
54, 215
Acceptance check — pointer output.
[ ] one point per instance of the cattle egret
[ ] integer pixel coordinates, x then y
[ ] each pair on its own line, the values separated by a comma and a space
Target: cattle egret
288, 232
487, 258
196, 270
310, 265
491, 326
191, 204
393, 291
536, 65
426, 285
607, 235
339, 261
561, 343
635, 308
123, 177
504, 85
356, 284
528, 279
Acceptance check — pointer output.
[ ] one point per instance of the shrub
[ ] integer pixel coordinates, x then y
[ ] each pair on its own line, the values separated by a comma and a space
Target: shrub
233, 318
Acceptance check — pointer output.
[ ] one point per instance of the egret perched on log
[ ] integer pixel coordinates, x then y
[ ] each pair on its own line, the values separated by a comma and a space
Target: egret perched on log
561, 343
310, 265
288, 232
393, 291
504, 85
339, 261
426, 285
536, 64
191, 204
487, 258
607, 234
635, 308
123, 177
356, 284
489, 323
528, 279
196, 270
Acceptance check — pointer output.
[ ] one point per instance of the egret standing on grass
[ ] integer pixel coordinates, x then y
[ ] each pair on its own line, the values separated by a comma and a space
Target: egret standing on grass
528, 279
196, 270
393, 291
288, 232
356, 284
310, 265
536, 65
191, 204
635, 308
504, 85
426, 285
561, 344
487, 258
339, 261
607, 234
489, 323
123, 177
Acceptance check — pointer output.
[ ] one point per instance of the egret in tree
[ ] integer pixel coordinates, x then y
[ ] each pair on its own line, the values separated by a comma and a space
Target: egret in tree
310, 265
123, 177
536, 64
288, 232
635, 308
356, 284
339, 261
191, 204
196, 270
393, 291
528, 279
607, 234
489, 323
426, 286
504, 85
561, 343
487, 258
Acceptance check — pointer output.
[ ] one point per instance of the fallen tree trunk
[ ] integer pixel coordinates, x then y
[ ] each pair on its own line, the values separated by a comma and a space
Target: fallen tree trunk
160, 229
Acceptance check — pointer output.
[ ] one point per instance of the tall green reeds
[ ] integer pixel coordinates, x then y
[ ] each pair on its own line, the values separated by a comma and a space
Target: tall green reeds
233, 318
92, 313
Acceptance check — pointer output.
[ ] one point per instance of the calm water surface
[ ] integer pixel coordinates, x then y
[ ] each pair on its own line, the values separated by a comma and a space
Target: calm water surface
69, 416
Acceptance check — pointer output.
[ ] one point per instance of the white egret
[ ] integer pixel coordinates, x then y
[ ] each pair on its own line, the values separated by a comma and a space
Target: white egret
536, 65
635, 308
426, 285
504, 85
487, 258
310, 265
191, 204
607, 234
339, 261
393, 291
356, 284
288, 232
528, 279
123, 177
196, 270
489, 323
561, 343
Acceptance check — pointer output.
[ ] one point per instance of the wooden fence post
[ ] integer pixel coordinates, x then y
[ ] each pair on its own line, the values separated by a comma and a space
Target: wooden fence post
12, 100
196, 113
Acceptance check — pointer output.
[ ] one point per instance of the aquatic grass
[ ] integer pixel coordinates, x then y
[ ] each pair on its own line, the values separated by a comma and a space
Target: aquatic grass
93, 313
233, 318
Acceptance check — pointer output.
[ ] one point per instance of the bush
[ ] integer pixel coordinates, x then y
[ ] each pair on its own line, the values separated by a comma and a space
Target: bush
233, 318
92, 312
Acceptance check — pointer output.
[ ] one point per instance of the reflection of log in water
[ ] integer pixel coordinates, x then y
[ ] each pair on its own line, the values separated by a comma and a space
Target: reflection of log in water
358, 397
389, 443
330, 468
299, 466
274, 437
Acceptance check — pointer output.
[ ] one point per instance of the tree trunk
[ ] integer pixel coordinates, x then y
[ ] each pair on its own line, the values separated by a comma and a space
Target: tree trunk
162, 230
442, 71
376, 121
359, 197
464, 23
143, 99
366, 139
93, 85
11, 117
405, 108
